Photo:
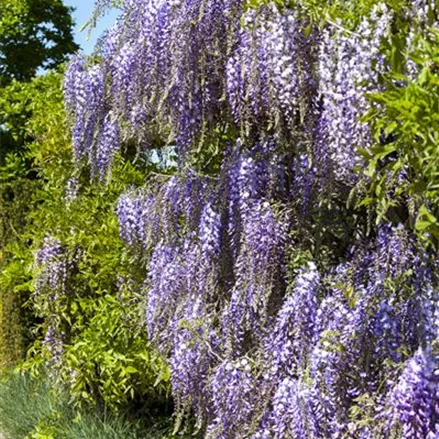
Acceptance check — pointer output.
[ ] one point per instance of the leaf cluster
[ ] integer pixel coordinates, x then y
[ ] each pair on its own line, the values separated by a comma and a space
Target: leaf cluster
403, 165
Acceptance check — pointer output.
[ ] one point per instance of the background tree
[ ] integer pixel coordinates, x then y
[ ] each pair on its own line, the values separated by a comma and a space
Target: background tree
34, 34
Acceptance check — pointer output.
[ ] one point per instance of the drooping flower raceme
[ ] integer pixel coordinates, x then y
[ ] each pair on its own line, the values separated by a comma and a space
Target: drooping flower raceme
414, 401
258, 275
349, 66
269, 75
51, 289
294, 332
195, 346
53, 268
233, 391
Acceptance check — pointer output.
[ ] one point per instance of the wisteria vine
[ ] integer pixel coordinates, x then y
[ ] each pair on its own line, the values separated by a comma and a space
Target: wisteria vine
264, 339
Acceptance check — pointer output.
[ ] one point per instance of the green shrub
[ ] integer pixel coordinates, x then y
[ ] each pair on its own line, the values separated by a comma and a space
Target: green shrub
15, 203
106, 355
22, 106
111, 359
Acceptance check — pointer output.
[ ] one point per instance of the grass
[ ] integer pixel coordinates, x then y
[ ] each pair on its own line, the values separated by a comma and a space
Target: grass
30, 409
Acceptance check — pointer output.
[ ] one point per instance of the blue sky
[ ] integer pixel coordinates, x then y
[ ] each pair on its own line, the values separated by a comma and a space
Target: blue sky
81, 15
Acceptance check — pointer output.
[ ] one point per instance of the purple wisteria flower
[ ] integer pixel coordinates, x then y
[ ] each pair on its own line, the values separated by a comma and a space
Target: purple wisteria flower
165, 280
258, 277
414, 401
160, 71
294, 333
233, 392
195, 346
349, 66
108, 146
84, 89
260, 343
72, 189
54, 270
53, 342
264, 80
50, 249
289, 415
52, 267
210, 232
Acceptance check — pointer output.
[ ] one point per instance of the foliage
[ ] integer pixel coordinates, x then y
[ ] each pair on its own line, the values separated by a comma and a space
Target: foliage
15, 203
19, 191
106, 354
111, 357
15, 319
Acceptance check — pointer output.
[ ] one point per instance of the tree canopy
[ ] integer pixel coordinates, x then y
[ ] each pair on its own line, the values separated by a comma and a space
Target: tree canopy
34, 34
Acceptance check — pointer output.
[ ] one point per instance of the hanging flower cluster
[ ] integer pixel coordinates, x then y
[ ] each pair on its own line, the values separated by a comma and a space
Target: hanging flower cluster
268, 81
162, 73
51, 289
414, 401
54, 270
349, 66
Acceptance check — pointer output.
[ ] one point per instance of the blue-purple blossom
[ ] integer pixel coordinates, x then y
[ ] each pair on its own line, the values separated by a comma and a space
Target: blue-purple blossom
258, 274
162, 72
53, 342
264, 83
258, 347
349, 66
50, 249
108, 146
294, 332
127, 216
52, 265
289, 414
84, 90
233, 394
414, 401
165, 280
193, 354
72, 189
55, 268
